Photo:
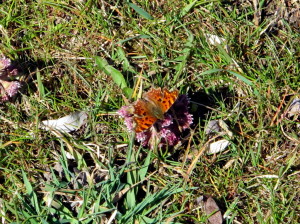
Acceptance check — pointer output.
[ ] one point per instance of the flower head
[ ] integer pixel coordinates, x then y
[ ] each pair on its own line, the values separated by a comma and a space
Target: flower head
8, 87
127, 113
7, 69
8, 90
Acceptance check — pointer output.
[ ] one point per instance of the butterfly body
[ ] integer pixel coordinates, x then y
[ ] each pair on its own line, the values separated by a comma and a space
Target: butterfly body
152, 107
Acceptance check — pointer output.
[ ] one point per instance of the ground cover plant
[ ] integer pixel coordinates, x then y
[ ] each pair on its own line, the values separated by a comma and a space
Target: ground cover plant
236, 61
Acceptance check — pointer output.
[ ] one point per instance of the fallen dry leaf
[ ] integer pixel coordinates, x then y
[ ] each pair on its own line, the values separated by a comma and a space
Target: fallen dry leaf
218, 146
67, 123
211, 209
294, 108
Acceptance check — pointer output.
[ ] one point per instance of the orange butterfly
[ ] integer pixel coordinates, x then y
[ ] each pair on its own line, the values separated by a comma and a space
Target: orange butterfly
152, 107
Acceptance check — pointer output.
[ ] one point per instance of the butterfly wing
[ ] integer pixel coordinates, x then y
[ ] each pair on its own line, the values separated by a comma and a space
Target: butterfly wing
162, 98
143, 118
169, 98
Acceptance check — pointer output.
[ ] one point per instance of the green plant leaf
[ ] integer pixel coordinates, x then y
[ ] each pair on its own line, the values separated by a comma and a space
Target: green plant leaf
124, 61
128, 91
111, 71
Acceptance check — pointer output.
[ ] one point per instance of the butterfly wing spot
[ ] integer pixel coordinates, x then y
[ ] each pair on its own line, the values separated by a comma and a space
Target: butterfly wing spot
144, 123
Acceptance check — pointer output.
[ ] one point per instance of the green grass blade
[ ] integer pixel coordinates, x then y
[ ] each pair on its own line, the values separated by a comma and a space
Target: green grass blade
143, 171
40, 85
131, 180
183, 59
245, 79
131, 194
187, 8
151, 202
241, 77
31, 193
211, 71
140, 11
135, 37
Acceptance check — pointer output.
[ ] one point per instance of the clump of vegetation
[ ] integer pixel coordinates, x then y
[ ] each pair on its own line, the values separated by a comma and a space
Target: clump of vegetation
66, 155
